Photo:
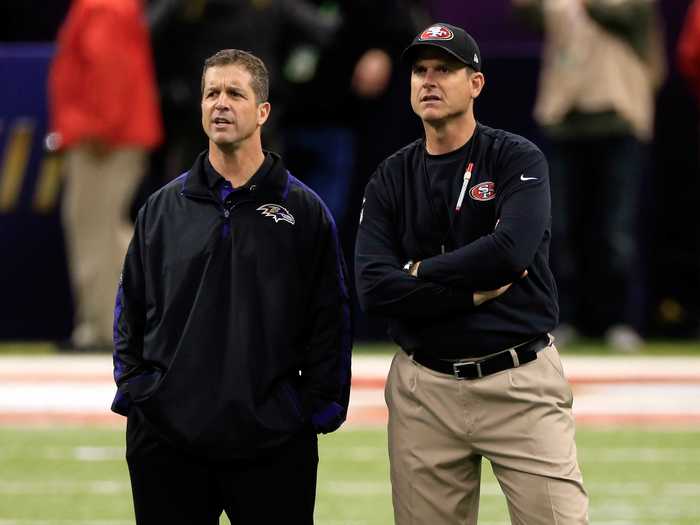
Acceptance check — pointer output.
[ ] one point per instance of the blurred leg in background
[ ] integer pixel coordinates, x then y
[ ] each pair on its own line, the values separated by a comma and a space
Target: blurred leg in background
98, 193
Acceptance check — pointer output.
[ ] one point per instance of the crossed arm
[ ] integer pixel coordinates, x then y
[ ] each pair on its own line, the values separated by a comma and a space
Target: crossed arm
456, 281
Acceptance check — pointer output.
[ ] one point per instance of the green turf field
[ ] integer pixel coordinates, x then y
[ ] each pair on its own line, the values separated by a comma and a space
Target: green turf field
78, 476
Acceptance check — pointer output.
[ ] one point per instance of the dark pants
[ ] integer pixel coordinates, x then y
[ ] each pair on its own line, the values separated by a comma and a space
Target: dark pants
595, 205
171, 487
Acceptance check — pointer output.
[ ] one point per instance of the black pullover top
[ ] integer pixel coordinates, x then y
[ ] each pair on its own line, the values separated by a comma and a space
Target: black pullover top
232, 325
503, 227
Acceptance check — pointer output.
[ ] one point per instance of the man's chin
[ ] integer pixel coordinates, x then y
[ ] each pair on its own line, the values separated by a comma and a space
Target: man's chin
223, 141
433, 117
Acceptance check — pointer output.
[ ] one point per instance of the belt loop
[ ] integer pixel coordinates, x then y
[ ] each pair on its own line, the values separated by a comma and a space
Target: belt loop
514, 355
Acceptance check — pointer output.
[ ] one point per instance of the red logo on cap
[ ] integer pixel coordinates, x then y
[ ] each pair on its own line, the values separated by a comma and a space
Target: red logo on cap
436, 33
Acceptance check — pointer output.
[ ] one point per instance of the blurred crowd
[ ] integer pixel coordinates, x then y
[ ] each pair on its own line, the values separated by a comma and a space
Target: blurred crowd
338, 94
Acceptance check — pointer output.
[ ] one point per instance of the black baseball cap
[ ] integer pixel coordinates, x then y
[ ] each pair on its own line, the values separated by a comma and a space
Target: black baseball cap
455, 40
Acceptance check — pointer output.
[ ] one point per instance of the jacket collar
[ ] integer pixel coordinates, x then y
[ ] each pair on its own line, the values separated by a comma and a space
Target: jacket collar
272, 183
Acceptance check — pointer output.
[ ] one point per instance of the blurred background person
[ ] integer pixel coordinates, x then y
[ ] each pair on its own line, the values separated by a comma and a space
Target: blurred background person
184, 32
602, 63
104, 116
350, 109
688, 55
689, 49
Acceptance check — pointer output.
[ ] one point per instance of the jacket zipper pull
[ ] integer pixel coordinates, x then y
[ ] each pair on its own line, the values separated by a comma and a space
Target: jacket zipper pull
467, 176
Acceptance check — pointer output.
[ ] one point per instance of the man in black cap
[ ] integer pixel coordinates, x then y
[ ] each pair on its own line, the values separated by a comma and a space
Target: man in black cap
453, 249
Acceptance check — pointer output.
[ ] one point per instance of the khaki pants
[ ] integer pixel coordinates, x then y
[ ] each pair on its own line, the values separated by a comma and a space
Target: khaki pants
519, 419
96, 223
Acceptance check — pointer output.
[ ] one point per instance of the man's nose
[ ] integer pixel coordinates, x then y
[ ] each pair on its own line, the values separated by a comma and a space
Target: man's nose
221, 102
429, 78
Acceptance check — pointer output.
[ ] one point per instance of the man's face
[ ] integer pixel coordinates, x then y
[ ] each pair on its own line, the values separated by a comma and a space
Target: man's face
441, 86
230, 111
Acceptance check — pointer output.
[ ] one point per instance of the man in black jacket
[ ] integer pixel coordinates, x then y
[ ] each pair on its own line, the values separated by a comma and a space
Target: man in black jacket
232, 334
463, 210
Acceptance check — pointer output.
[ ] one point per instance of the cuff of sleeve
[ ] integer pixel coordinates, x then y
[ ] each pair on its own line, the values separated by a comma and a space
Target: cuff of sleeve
121, 402
328, 418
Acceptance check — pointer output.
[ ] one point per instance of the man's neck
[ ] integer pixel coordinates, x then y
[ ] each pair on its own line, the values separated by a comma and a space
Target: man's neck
238, 164
446, 136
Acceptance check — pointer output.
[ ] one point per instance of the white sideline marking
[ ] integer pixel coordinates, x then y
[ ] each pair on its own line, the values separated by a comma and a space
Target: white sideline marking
61, 486
337, 522
356, 488
653, 511
640, 455
98, 453
671, 490
83, 453
55, 397
58, 386
366, 454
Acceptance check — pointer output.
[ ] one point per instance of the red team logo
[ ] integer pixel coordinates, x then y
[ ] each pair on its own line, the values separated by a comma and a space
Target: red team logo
484, 191
436, 33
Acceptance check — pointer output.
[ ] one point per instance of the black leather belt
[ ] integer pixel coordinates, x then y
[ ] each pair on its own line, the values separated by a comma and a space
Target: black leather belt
511, 358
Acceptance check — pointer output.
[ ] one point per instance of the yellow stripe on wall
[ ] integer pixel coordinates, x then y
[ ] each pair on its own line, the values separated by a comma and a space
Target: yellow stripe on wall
14, 164
48, 184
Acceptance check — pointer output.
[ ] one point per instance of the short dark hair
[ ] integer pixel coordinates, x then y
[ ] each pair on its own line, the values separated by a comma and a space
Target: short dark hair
260, 79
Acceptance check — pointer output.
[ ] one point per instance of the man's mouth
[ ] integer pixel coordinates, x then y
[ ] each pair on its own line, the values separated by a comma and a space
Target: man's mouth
430, 98
221, 121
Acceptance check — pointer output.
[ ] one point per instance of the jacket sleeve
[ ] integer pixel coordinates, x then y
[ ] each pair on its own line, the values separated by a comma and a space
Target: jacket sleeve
325, 372
383, 287
129, 319
499, 258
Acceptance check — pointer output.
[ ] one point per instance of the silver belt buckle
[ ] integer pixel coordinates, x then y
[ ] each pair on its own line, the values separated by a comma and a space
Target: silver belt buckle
456, 367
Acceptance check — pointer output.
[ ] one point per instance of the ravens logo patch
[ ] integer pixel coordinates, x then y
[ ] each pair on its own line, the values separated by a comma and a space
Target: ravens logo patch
277, 212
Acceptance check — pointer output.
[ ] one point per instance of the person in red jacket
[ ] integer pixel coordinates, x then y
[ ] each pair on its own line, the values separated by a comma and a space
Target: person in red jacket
689, 49
105, 117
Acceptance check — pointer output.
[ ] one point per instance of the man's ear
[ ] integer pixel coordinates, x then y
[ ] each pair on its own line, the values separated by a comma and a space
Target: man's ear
264, 109
476, 82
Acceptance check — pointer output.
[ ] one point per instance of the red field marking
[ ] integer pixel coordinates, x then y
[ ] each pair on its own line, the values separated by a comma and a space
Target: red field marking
378, 382
363, 383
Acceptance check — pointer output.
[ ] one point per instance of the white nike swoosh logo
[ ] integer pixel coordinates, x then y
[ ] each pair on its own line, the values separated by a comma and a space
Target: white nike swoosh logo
524, 178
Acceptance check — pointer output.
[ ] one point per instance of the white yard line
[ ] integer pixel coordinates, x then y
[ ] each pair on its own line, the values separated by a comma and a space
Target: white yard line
63, 486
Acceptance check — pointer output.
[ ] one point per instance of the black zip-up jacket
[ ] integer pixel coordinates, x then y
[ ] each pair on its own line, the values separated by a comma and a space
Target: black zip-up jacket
503, 228
232, 323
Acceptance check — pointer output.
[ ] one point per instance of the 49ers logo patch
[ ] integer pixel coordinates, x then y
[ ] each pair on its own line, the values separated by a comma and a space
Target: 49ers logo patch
437, 33
484, 191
